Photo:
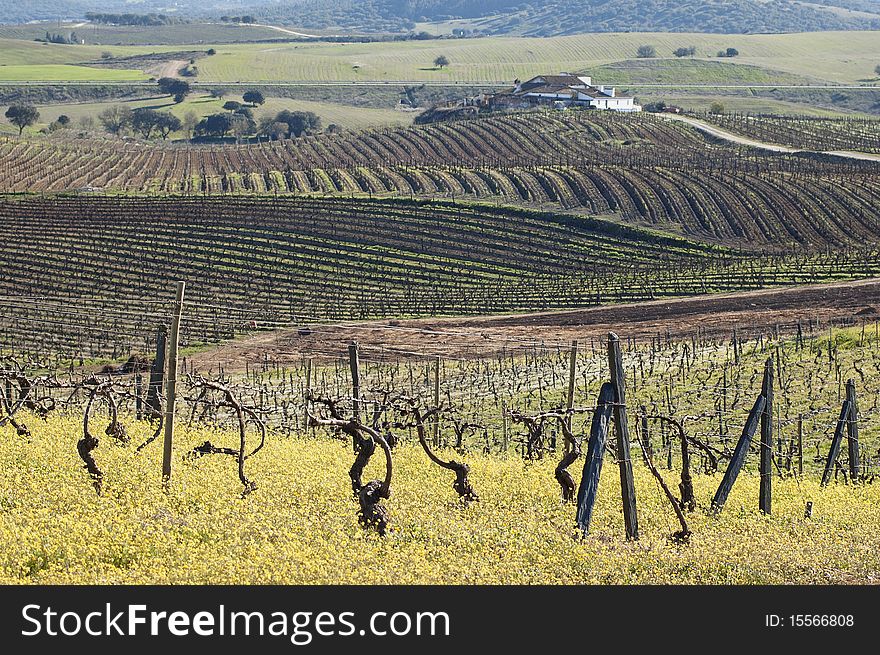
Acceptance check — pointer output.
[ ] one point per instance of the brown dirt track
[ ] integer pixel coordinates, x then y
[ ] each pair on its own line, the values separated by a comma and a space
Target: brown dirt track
480, 336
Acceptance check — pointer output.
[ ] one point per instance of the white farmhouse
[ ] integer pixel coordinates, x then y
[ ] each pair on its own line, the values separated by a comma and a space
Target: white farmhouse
563, 90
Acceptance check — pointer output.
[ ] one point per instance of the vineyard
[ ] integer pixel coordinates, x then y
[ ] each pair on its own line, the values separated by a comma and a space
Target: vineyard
822, 134
88, 276
508, 426
644, 169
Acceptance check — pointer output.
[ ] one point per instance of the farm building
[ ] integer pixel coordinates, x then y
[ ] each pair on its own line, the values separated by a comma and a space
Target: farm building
563, 90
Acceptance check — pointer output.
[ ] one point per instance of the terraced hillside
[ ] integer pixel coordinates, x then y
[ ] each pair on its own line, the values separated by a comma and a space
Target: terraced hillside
92, 275
647, 170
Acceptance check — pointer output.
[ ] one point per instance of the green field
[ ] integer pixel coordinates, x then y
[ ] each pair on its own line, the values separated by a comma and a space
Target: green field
845, 57
840, 57
103, 35
68, 73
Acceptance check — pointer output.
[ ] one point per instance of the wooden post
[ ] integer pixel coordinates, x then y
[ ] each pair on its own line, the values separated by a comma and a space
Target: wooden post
308, 391
627, 486
835, 442
569, 401
505, 440
355, 366
801, 445
436, 426
586, 497
171, 382
853, 431
138, 396
765, 497
739, 455
157, 375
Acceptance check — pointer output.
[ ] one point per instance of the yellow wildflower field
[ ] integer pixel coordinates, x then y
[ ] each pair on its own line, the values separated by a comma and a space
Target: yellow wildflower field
300, 525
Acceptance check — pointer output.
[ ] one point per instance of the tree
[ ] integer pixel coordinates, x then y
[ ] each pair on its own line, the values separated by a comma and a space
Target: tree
210, 52
253, 97
242, 125
441, 61
716, 108
144, 121
271, 128
690, 51
63, 120
655, 107
214, 125
646, 52
877, 69
189, 122
166, 123
731, 52
217, 93
177, 89
22, 116
299, 122
116, 118
232, 105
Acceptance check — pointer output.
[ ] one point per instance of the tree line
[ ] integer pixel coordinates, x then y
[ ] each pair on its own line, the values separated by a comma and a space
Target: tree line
236, 118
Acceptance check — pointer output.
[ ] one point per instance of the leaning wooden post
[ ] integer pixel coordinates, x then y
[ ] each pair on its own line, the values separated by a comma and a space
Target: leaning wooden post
569, 400
739, 455
835, 442
647, 449
765, 497
853, 432
586, 497
436, 426
171, 382
627, 485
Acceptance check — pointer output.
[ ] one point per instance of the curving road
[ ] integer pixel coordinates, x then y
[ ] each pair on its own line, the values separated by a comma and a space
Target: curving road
720, 133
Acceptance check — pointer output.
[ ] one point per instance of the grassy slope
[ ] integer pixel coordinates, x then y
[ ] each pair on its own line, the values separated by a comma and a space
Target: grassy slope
103, 35
351, 118
67, 73
835, 56
846, 57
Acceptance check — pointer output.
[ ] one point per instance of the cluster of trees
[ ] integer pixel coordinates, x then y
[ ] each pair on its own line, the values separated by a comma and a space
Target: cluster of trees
131, 19
239, 122
177, 89
236, 119
146, 122
649, 51
247, 19
71, 39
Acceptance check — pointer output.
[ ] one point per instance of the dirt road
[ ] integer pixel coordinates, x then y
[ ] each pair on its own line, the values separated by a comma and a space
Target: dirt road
481, 336
720, 133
